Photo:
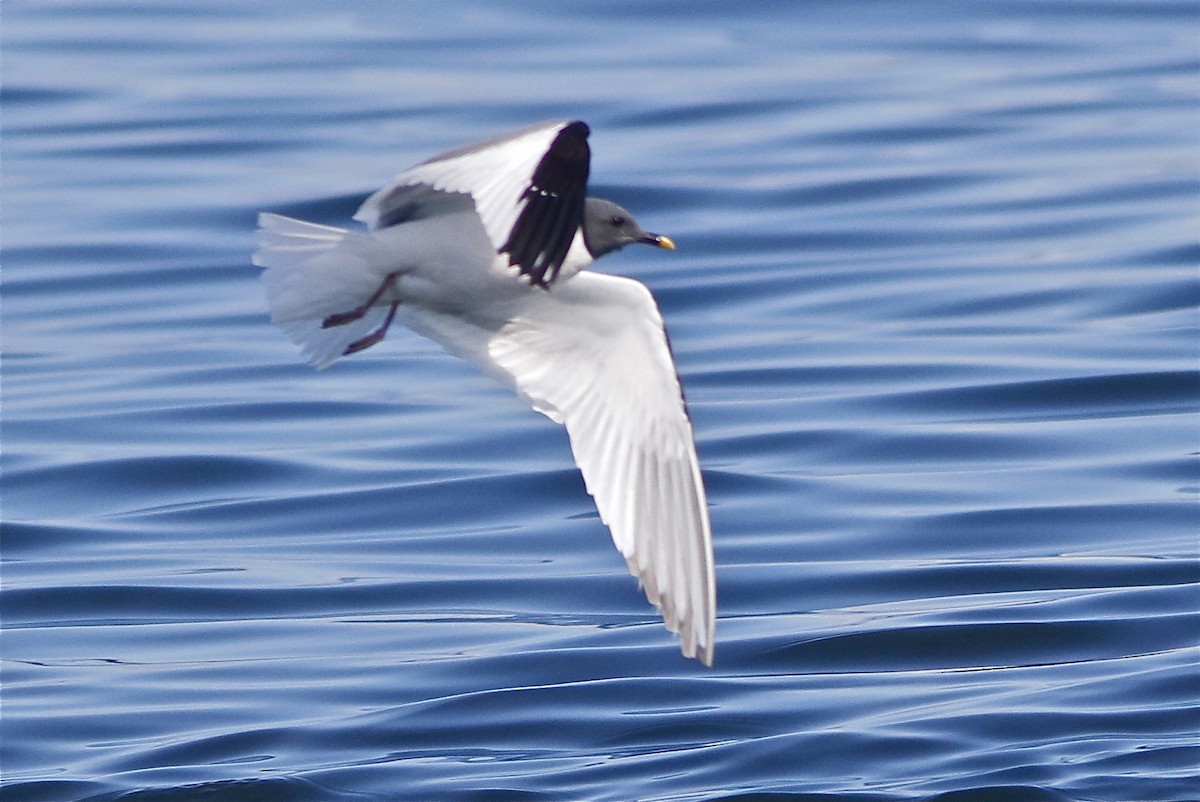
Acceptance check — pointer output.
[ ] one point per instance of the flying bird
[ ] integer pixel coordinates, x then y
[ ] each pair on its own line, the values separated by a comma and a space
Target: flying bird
483, 250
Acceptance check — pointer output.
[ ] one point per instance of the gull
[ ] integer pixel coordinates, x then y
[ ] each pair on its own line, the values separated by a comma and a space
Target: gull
483, 250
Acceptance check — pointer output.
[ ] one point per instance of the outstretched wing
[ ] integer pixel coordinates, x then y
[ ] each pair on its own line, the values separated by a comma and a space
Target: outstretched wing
593, 355
528, 188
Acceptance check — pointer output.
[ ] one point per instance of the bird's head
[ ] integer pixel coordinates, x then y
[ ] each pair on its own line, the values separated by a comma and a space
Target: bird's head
607, 227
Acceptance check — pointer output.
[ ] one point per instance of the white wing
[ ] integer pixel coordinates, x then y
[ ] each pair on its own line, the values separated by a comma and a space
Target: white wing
589, 352
495, 172
592, 354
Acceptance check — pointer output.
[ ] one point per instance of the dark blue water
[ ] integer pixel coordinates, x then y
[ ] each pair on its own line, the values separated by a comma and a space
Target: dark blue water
935, 305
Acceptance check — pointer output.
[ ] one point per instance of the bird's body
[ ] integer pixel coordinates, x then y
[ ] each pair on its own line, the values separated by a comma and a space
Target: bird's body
483, 250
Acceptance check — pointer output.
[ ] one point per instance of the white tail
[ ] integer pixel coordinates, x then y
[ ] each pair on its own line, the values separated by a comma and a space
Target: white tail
313, 271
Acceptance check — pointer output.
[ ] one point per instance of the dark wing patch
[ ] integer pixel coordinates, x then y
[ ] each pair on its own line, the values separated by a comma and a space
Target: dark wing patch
553, 207
410, 202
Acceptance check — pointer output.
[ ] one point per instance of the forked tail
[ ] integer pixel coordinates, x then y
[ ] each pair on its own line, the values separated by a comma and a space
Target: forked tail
313, 272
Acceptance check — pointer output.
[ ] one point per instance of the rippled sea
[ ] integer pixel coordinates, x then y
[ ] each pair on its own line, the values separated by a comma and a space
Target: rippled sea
935, 306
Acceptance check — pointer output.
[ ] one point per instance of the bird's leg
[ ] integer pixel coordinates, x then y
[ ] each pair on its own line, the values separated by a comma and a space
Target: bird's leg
364, 343
342, 318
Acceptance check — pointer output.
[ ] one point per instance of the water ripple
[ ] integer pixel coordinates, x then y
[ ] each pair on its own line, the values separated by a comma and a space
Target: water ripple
934, 309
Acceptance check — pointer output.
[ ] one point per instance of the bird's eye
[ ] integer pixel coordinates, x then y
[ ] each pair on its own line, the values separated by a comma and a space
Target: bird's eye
617, 221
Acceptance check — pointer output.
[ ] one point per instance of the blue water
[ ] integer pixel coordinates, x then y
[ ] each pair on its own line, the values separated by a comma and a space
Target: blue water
935, 306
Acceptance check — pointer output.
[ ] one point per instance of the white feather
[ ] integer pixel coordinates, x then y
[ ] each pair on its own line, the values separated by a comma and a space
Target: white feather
590, 352
495, 173
313, 271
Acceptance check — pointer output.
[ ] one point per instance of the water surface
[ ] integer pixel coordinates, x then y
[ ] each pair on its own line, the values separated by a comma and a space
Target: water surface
934, 306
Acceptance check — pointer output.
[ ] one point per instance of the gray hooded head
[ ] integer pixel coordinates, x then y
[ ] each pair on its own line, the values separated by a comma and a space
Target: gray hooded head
607, 227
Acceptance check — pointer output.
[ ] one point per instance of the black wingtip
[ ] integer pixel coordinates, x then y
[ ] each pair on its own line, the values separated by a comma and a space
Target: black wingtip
553, 206
576, 128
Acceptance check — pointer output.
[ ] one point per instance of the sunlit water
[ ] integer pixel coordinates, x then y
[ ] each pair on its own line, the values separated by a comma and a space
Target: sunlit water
934, 306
